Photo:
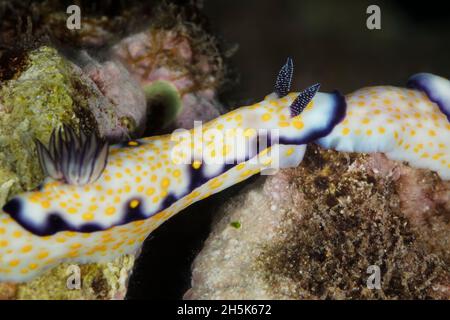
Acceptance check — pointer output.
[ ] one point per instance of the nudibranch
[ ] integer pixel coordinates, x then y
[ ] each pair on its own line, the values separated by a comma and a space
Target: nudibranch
407, 124
99, 203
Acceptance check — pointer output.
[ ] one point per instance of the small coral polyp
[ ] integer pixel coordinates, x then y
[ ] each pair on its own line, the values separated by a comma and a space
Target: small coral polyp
143, 184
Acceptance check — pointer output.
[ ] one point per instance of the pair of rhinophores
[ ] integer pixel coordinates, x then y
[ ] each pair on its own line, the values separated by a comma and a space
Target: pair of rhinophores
99, 203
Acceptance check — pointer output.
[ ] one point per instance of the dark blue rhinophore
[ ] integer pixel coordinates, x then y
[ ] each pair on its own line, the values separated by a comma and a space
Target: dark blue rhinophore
302, 100
284, 79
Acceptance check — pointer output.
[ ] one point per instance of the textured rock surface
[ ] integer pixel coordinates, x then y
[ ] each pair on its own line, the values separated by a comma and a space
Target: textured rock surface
312, 231
98, 281
180, 54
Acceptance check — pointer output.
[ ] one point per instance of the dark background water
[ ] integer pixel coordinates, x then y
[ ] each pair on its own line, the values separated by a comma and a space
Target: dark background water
330, 44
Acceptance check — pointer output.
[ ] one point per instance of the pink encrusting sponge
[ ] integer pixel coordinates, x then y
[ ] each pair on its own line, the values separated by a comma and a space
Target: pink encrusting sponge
406, 124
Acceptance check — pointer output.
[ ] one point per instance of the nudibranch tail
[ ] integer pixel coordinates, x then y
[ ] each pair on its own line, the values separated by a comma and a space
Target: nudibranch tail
284, 79
303, 99
405, 124
74, 159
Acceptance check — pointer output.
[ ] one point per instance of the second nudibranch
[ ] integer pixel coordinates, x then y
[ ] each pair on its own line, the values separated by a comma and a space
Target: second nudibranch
104, 214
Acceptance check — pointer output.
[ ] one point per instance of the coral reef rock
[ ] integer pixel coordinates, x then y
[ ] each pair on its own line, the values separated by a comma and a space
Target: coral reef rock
100, 281
312, 232
180, 68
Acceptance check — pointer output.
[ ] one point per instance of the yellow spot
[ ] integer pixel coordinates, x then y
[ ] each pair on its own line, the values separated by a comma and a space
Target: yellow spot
72, 210
289, 151
60, 239
369, 132
266, 117
45, 204
298, 124
75, 245
3, 243
361, 104
17, 234
240, 166
283, 124
132, 143
432, 133
150, 191
42, 255
110, 211
26, 248
88, 216
215, 183
196, 164
32, 266
381, 130
246, 173
249, 132
134, 203
365, 120
345, 131
14, 263
165, 182
176, 173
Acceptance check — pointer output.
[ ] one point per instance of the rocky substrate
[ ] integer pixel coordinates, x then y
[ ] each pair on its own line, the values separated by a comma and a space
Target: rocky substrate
311, 233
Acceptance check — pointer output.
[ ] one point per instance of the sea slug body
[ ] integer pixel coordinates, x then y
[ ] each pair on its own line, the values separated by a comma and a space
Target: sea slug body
406, 124
96, 217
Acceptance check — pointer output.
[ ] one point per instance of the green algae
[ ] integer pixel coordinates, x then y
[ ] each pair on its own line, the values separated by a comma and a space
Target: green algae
164, 101
235, 224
